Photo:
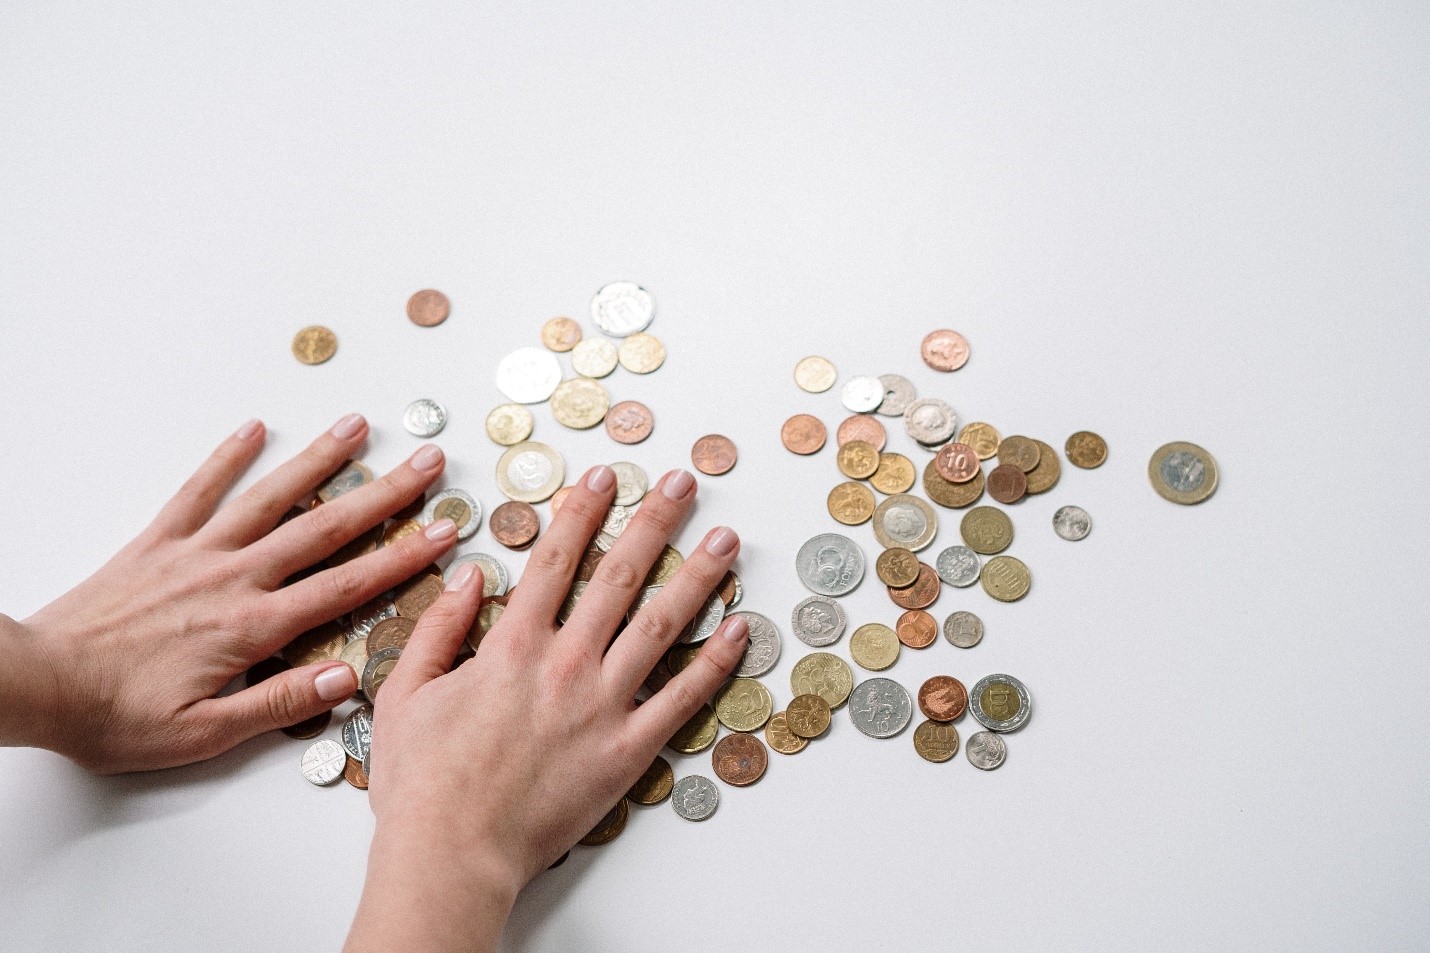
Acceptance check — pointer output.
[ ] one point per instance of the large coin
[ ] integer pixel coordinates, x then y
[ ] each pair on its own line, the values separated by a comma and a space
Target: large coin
763, 650
814, 374
641, 353
818, 621
314, 344
963, 629
528, 375
958, 566
694, 797
851, 503
862, 427
944, 350
357, 732
936, 741
1044, 476
319, 644
1000, 703
986, 750
1086, 449
822, 674
594, 357
987, 530
509, 424
904, 520
424, 417
1072, 523
324, 761
930, 421
580, 403
779, 737
1006, 578
389, 634
707, 620
515, 524
621, 308
630, 421
922, 594
654, 785
739, 759
697, 734
743, 704
456, 505
899, 393
830, 564
880, 707
379, 666
530, 472
861, 394
428, 308
1022, 452
951, 495
494, 575
1182, 472
874, 646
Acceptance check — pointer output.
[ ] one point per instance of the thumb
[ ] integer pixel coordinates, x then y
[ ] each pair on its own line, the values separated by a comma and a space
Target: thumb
277, 702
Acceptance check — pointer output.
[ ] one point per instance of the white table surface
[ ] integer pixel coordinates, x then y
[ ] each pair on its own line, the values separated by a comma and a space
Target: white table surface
1158, 221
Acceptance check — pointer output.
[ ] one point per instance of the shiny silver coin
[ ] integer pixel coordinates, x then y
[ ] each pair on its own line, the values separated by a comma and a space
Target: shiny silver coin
899, 393
643, 599
880, 707
958, 566
376, 669
622, 308
739, 594
1001, 693
495, 580
818, 621
1072, 523
904, 521
930, 421
365, 616
963, 629
694, 797
763, 650
324, 761
617, 519
830, 564
528, 375
530, 472
631, 483
357, 732
424, 418
862, 394
435, 510
706, 620
986, 750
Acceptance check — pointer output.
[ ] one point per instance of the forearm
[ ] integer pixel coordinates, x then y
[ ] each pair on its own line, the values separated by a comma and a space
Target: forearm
27, 688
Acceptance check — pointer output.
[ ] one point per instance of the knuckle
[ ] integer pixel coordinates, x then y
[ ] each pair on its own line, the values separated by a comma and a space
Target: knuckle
620, 574
683, 697
283, 706
326, 524
662, 519
552, 559
655, 623
346, 585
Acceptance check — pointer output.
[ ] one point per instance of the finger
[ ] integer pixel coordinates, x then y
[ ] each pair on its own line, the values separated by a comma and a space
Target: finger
659, 623
257, 510
619, 576
552, 564
285, 699
438, 636
317, 534
191, 507
658, 717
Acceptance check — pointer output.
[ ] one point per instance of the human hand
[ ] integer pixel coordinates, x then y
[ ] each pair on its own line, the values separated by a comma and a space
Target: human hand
121, 673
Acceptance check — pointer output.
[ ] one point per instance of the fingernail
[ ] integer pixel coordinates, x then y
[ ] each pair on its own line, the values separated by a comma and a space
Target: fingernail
249, 430
601, 478
336, 683
427, 457
722, 542
461, 577
736, 628
349, 426
442, 529
677, 484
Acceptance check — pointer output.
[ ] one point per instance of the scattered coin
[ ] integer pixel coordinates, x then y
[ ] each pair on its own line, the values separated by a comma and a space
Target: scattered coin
695, 798
963, 629
943, 698
355, 775
622, 308
424, 418
851, 503
958, 566
822, 674
580, 403
1183, 473
352, 475
594, 357
1045, 475
898, 394
654, 785
1007, 483
935, 741
530, 472
515, 524
743, 704
814, 374
894, 475
803, 434
880, 707
862, 394
1072, 523
314, 344
609, 827
897, 567
560, 334
1021, 452
495, 580
323, 762
951, 495
713, 454
808, 716
631, 483
779, 737
944, 350
986, 530
739, 759
957, 462
904, 520
509, 424
528, 375
922, 594
874, 646
1000, 703
697, 734
857, 460
830, 564
983, 438
630, 421
1086, 449
763, 650
818, 621
862, 427
456, 505
916, 629
1006, 578
428, 308
930, 421
641, 353
986, 750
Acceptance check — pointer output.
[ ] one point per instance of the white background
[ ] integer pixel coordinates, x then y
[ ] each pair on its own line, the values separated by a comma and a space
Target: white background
1159, 221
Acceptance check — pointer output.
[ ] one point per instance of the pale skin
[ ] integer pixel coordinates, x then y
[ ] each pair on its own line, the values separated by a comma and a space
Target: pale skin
483, 775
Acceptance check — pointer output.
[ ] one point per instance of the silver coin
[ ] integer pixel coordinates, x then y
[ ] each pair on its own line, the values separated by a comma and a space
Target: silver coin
643, 599
367, 764
324, 761
530, 472
365, 616
930, 421
880, 707
818, 621
1072, 523
594, 357
899, 393
862, 394
1001, 686
631, 483
528, 375
739, 594
763, 651
963, 629
904, 521
424, 418
357, 732
370, 686
568, 605
465, 530
986, 750
621, 308
495, 580
958, 566
694, 797
703, 625
617, 519
830, 564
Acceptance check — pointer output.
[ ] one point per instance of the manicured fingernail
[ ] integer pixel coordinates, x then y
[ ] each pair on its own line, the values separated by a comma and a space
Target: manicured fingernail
427, 457
722, 542
249, 430
336, 683
461, 577
677, 484
348, 427
601, 478
442, 529
735, 629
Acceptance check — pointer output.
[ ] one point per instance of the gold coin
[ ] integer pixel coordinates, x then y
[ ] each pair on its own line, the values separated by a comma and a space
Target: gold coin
416, 595
825, 675
560, 334
851, 503
897, 567
894, 475
487, 617
1183, 473
355, 654
743, 704
314, 344
641, 353
983, 438
952, 495
679, 657
857, 460
667, 564
1086, 449
1006, 578
580, 403
936, 741
986, 530
1044, 476
1000, 702
874, 646
325, 642
609, 827
400, 530
697, 734
392, 633
1022, 452
654, 785
509, 424
779, 737
815, 374
807, 716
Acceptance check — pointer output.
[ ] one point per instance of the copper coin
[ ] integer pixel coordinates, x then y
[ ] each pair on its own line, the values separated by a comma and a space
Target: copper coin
951, 495
1007, 483
957, 462
428, 308
713, 454
515, 524
654, 785
862, 427
630, 421
803, 434
944, 350
354, 774
943, 698
897, 568
1086, 449
922, 594
1022, 452
390, 633
729, 587
560, 334
558, 498
916, 629
807, 716
1044, 476
740, 759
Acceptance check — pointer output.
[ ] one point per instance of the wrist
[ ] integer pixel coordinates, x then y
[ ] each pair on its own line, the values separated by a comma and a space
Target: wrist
30, 686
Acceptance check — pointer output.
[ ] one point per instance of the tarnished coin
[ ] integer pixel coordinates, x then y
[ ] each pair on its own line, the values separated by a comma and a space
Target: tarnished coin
314, 344
857, 460
935, 741
594, 357
631, 483
509, 424
1022, 452
943, 698
916, 629
986, 750
803, 434
818, 621
944, 350
861, 394
948, 494
309, 727
357, 732
530, 472
830, 564
621, 308
630, 421
1182, 472
641, 353
424, 417
456, 505
743, 704
560, 334
580, 403
379, 666
1007, 483
922, 594
1000, 703
1086, 449
930, 421
739, 759
986, 530
319, 644
323, 762
763, 650
528, 375
609, 827
814, 374
874, 646
494, 575
665, 567
957, 462
904, 520
695, 798
822, 674
958, 566
713, 454
654, 785
963, 629
1006, 578
880, 707
428, 308
354, 774
862, 427
897, 567
355, 654
390, 633
515, 524
697, 734
851, 503
894, 475
807, 716
352, 475
983, 438
779, 737
899, 393
1072, 523
1044, 476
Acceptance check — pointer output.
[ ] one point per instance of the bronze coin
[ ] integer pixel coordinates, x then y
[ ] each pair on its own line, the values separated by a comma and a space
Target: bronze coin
390, 633
558, 498
1044, 476
1022, 452
807, 716
916, 629
428, 308
803, 434
654, 785
309, 727
936, 741
740, 759
560, 334
315, 344
1007, 483
957, 462
1086, 449
630, 421
316, 645
416, 595
515, 524
948, 494
922, 594
897, 568
713, 454
354, 774
862, 427
944, 350
609, 827
943, 698
729, 587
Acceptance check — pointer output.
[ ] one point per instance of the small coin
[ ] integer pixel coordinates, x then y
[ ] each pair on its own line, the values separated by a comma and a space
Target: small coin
957, 462
355, 775
528, 375
324, 761
1183, 473
951, 495
495, 580
428, 308
922, 594
1000, 703
857, 460
560, 334
894, 475
713, 454
874, 646
986, 750
958, 566
1072, 523
1021, 452
803, 434
851, 503
930, 421
763, 650
641, 353
390, 633
456, 505
880, 707
1045, 475
986, 530
862, 427
509, 424
379, 666
352, 475
943, 698
963, 629
424, 417
1086, 449
822, 674
818, 621
898, 394
609, 827
830, 564
1006, 578
515, 524
631, 483
357, 732
916, 629
622, 308
861, 394
944, 350
904, 520
694, 797
983, 438
654, 785
314, 344
743, 704
530, 472
779, 737
814, 374
630, 421
808, 716
739, 759
936, 741
697, 734
897, 567
319, 644
1007, 483
580, 403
